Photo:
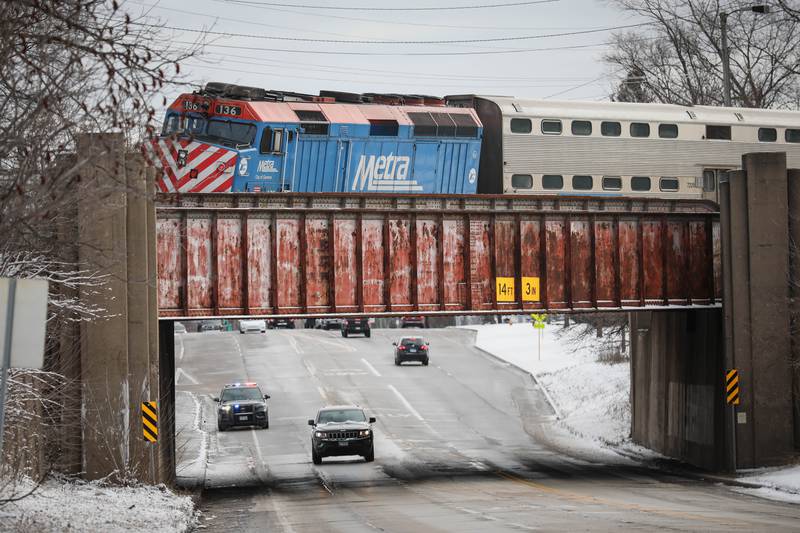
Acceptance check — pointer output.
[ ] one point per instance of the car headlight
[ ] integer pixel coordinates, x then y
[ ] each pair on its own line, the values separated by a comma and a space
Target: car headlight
320, 434
364, 433
225, 408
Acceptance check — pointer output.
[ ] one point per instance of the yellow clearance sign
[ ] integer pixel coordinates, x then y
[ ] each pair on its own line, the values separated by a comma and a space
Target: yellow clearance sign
530, 289
505, 289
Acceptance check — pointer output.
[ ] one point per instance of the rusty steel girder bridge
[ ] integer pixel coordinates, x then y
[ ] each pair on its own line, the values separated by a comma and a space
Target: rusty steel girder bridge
317, 255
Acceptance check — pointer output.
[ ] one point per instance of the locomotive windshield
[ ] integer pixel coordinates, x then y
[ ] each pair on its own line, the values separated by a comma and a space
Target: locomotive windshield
231, 133
181, 124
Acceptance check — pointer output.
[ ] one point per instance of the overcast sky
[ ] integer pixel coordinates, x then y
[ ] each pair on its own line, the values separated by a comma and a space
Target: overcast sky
547, 68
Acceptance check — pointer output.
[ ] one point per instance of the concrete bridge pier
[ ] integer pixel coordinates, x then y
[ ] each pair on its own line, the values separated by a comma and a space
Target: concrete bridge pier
122, 364
754, 215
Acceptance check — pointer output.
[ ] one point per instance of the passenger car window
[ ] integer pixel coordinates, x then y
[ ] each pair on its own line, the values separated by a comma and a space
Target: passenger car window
551, 127
521, 125
552, 182
640, 183
668, 131
640, 129
669, 184
721, 133
582, 183
522, 181
610, 129
767, 135
792, 136
341, 415
239, 394
612, 183
581, 127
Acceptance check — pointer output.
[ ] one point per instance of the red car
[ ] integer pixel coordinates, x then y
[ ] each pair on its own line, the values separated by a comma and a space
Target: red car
412, 322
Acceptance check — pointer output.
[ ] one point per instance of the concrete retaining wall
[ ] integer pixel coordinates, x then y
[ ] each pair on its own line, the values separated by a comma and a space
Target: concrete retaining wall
676, 384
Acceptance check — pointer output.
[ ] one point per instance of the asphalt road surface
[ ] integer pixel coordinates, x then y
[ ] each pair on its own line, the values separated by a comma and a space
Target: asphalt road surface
461, 445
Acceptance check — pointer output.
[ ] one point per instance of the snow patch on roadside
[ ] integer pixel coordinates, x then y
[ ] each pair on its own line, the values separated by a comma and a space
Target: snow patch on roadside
191, 464
592, 398
74, 505
784, 479
771, 494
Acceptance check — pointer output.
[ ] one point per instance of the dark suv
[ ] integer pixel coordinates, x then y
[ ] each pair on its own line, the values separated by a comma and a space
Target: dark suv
411, 349
341, 430
242, 404
355, 325
280, 323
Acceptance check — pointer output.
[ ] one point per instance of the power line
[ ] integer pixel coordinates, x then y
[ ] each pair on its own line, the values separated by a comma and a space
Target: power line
396, 54
380, 21
293, 65
517, 84
419, 24
365, 41
565, 91
371, 8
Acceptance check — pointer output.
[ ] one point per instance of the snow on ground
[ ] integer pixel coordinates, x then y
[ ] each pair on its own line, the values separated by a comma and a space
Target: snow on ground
785, 479
60, 505
591, 398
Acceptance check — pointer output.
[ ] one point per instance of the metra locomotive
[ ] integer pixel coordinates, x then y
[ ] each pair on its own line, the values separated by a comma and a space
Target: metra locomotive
231, 138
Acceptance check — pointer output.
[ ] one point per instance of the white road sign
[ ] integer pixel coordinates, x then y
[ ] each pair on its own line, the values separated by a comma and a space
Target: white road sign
29, 321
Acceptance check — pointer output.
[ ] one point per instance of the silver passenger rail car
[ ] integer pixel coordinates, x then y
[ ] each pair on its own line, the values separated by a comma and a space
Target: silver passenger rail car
621, 149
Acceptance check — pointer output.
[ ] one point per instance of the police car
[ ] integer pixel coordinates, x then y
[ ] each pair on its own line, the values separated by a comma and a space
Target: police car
242, 404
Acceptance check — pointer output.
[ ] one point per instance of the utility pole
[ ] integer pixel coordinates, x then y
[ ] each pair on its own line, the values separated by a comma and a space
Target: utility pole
762, 9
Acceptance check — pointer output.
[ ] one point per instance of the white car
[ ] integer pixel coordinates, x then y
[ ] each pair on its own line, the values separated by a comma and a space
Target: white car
259, 326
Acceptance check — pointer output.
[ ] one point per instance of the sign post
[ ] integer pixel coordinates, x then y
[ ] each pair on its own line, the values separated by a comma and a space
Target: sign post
23, 320
538, 323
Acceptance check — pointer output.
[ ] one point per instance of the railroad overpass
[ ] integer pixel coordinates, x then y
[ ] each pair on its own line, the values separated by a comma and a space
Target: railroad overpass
672, 264
334, 254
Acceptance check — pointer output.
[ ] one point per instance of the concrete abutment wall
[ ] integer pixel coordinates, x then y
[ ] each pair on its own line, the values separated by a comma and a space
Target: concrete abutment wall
122, 362
679, 359
676, 385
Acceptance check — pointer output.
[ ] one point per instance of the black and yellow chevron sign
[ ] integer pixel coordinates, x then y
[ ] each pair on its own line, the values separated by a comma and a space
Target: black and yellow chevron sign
150, 421
732, 386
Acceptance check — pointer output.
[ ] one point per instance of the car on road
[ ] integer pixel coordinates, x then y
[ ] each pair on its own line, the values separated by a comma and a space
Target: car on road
412, 321
355, 325
259, 326
328, 323
211, 325
341, 430
280, 323
242, 404
411, 349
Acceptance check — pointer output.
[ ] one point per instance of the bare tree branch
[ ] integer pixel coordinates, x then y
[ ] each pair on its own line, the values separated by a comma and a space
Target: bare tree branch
679, 58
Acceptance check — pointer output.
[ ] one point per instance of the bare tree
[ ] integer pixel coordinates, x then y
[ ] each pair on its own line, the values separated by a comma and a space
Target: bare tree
633, 89
67, 68
679, 53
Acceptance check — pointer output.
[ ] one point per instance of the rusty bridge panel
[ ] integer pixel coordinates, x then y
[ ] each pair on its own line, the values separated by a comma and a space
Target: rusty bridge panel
333, 254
